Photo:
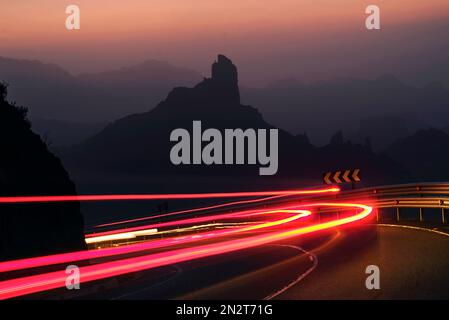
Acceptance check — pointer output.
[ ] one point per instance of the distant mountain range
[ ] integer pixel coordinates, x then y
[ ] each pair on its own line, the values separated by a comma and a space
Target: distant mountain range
140, 143
58, 133
356, 106
425, 153
379, 117
53, 93
383, 111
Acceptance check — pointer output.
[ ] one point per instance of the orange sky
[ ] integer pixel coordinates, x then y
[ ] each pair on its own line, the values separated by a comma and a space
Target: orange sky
43, 20
171, 29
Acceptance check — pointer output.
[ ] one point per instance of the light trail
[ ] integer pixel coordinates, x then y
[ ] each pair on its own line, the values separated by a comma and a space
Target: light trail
269, 229
91, 254
238, 214
177, 196
222, 205
15, 265
121, 236
52, 280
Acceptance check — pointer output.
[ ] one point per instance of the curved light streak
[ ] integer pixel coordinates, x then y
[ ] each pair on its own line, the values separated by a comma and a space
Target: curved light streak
238, 214
222, 205
20, 264
52, 280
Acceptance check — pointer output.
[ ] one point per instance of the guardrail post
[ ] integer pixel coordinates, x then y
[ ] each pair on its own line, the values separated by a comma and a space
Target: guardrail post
398, 217
443, 218
421, 217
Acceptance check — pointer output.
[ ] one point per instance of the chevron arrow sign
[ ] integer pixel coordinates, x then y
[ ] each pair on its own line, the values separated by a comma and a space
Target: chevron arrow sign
342, 176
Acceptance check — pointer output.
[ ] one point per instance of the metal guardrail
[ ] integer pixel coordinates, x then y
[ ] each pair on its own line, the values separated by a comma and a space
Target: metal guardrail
426, 196
417, 195
422, 189
420, 195
419, 203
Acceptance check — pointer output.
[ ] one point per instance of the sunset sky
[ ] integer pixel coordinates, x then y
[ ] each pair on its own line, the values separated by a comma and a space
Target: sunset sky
268, 39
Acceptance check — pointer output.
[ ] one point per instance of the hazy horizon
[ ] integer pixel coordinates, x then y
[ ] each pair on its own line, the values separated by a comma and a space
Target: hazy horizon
307, 41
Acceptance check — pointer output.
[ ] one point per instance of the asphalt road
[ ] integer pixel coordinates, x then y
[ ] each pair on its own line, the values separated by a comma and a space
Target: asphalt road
414, 264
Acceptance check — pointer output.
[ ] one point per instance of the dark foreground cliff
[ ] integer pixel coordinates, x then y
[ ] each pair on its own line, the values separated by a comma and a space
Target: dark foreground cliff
28, 168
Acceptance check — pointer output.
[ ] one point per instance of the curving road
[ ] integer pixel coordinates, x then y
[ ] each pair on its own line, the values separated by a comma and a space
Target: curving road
284, 250
414, 264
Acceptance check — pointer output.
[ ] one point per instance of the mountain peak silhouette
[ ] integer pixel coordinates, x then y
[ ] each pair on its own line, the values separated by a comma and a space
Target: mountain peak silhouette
224, 71
220, 90
144, 139
225, 77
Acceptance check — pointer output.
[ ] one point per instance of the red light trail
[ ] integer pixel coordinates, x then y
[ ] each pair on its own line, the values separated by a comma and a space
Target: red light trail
91, 254
268, 231
225, 216
222, 205
178, 196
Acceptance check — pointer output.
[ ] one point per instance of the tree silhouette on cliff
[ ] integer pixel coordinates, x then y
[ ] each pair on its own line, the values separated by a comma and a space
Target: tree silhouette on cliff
28, 168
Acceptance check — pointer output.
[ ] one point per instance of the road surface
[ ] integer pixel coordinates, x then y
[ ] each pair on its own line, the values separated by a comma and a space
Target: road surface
285, 249
413, 264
